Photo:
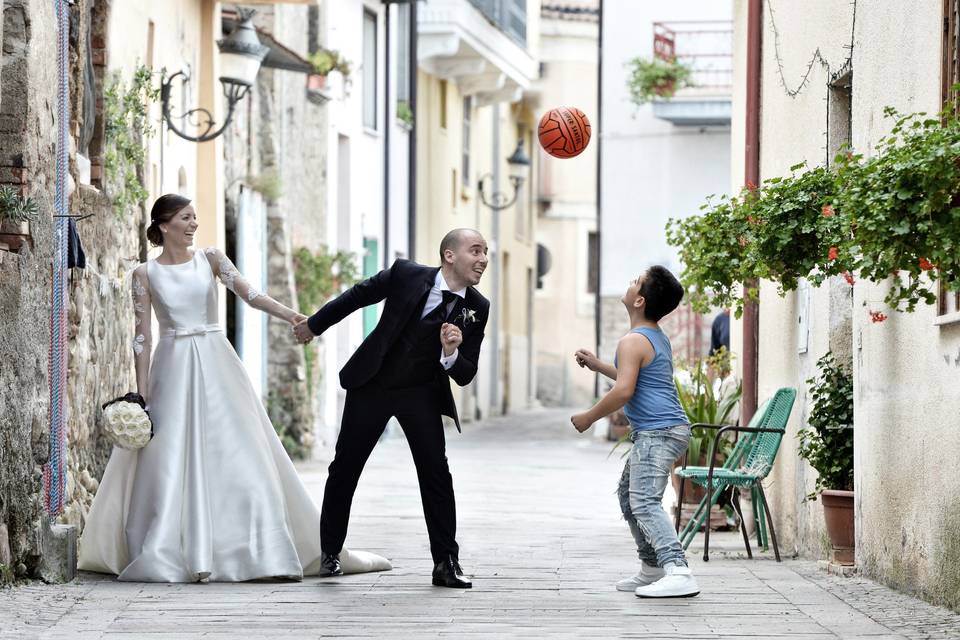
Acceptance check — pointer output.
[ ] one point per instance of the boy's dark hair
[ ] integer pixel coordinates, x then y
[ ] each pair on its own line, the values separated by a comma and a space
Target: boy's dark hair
661, 291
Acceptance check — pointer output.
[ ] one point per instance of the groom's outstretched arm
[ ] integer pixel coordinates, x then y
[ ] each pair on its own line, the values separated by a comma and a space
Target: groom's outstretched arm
370, 291
465, 367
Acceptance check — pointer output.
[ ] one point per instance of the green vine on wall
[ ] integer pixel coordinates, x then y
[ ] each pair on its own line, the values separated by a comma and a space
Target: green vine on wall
126, 128
319, 276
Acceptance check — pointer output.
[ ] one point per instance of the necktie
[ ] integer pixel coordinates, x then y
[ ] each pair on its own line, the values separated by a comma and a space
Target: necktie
440, 313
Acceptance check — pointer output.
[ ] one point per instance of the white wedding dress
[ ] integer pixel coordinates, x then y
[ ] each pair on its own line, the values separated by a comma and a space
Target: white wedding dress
213, 496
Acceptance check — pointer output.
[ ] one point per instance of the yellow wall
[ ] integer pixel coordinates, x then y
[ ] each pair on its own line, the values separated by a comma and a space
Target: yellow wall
444, 203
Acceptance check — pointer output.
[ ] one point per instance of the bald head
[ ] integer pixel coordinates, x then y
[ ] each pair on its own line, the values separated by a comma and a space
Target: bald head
463, 258
455, 239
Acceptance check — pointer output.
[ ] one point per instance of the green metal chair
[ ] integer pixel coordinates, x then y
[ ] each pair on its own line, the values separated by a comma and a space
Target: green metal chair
747, 465
733, 461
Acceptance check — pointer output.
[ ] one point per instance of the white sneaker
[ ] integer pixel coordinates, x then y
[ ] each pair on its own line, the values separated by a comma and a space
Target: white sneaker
648, 574
677, 583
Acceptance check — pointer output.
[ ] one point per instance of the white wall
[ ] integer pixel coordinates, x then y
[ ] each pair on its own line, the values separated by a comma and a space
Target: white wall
906, 370
652, 170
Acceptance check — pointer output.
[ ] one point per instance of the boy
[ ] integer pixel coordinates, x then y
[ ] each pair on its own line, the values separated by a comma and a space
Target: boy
643, 372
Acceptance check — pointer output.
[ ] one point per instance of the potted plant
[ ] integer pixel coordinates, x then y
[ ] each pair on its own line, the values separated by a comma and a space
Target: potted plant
708, 395
16, 213
827, 444
656, 78
325, 61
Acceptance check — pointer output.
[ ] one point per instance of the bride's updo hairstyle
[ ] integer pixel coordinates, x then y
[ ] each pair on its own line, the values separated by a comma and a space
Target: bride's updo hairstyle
163, 210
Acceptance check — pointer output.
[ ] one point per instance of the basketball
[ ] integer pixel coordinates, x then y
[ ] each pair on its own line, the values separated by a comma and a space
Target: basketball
564, 132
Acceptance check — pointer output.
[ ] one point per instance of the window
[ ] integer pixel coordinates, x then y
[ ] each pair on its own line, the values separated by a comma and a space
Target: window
443, 104
465, 166
948, 303
593, 260
950, 72
369, 69
403, 53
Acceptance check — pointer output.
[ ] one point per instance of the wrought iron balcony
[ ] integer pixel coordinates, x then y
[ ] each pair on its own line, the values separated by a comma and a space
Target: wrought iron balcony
509, 15
706, 48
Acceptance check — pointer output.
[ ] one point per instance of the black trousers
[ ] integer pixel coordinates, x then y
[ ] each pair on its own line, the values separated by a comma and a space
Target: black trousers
365, 415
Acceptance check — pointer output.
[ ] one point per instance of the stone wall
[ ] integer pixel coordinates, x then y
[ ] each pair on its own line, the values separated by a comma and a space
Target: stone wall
100, 323
26, 145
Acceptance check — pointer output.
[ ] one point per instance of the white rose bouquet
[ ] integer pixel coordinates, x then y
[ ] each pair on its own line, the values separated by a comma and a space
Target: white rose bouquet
126, 421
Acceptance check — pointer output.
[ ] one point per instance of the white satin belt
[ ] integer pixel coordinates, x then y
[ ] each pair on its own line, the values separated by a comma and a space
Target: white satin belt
193, 331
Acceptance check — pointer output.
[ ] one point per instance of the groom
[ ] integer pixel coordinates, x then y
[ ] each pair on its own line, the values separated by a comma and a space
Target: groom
431, 330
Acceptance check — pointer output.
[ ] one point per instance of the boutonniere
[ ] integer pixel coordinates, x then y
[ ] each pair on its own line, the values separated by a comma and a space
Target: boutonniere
467, 316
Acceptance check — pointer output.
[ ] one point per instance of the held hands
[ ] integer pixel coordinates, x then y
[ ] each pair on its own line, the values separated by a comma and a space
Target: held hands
450, 338
302, 332
586, 359
296, 319
581, 421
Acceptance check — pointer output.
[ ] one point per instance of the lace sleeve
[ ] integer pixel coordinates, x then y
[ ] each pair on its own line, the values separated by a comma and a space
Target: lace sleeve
232, 279
143, 338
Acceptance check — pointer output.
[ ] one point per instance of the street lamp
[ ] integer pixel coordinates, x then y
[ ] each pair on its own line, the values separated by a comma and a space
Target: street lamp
519, 171
240, 57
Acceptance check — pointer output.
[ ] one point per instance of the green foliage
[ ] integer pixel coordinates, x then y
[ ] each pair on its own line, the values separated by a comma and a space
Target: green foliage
704, 403
126, 127
15, 208
7, 576
404, 112
280, 411
712, 249
895, 214
326, 60
827, 440
903, 207
318, 276
268, 184
790, 237
655, 78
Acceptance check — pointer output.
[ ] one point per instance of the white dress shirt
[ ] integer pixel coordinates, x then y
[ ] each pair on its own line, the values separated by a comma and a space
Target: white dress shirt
433, 300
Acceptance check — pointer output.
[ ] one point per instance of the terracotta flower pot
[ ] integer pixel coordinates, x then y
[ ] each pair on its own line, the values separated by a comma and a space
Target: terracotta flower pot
316, 81
838, 513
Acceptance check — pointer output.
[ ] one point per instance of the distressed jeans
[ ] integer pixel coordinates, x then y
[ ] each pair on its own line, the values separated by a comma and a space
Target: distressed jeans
641, 488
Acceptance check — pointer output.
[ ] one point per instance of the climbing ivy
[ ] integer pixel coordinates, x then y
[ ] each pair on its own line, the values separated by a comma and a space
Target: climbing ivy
318, 276
126, 128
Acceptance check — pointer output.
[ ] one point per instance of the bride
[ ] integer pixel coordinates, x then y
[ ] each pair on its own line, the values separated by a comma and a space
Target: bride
213, 496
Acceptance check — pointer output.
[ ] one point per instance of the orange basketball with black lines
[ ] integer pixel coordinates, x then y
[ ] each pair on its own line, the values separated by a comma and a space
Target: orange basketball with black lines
564, 132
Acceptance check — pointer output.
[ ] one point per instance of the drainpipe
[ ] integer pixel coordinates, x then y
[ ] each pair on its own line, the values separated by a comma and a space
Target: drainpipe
387, 124
412, 138
495, 264
597, 300
751, 311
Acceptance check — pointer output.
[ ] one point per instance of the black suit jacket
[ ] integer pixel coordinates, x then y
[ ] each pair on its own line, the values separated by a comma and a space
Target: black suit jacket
403, 286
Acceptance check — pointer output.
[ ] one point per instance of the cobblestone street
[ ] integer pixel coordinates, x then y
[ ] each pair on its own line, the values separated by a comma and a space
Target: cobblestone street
539, 530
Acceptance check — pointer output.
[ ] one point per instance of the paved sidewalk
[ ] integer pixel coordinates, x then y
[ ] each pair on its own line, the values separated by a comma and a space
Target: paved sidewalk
539, 530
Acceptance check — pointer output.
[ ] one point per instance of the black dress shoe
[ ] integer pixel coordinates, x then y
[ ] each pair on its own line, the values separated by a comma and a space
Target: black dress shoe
330, 565
448, 573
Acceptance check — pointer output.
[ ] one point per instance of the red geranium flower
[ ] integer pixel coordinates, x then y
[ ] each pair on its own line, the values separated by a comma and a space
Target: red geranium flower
832, 254
827, 211
877, 316
926, 265
849, 278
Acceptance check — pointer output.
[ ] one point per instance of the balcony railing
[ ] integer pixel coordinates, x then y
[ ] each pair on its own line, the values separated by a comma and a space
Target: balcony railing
706, 47
509, 15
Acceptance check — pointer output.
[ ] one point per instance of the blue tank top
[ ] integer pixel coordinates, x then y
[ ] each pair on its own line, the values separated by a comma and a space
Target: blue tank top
654, 404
